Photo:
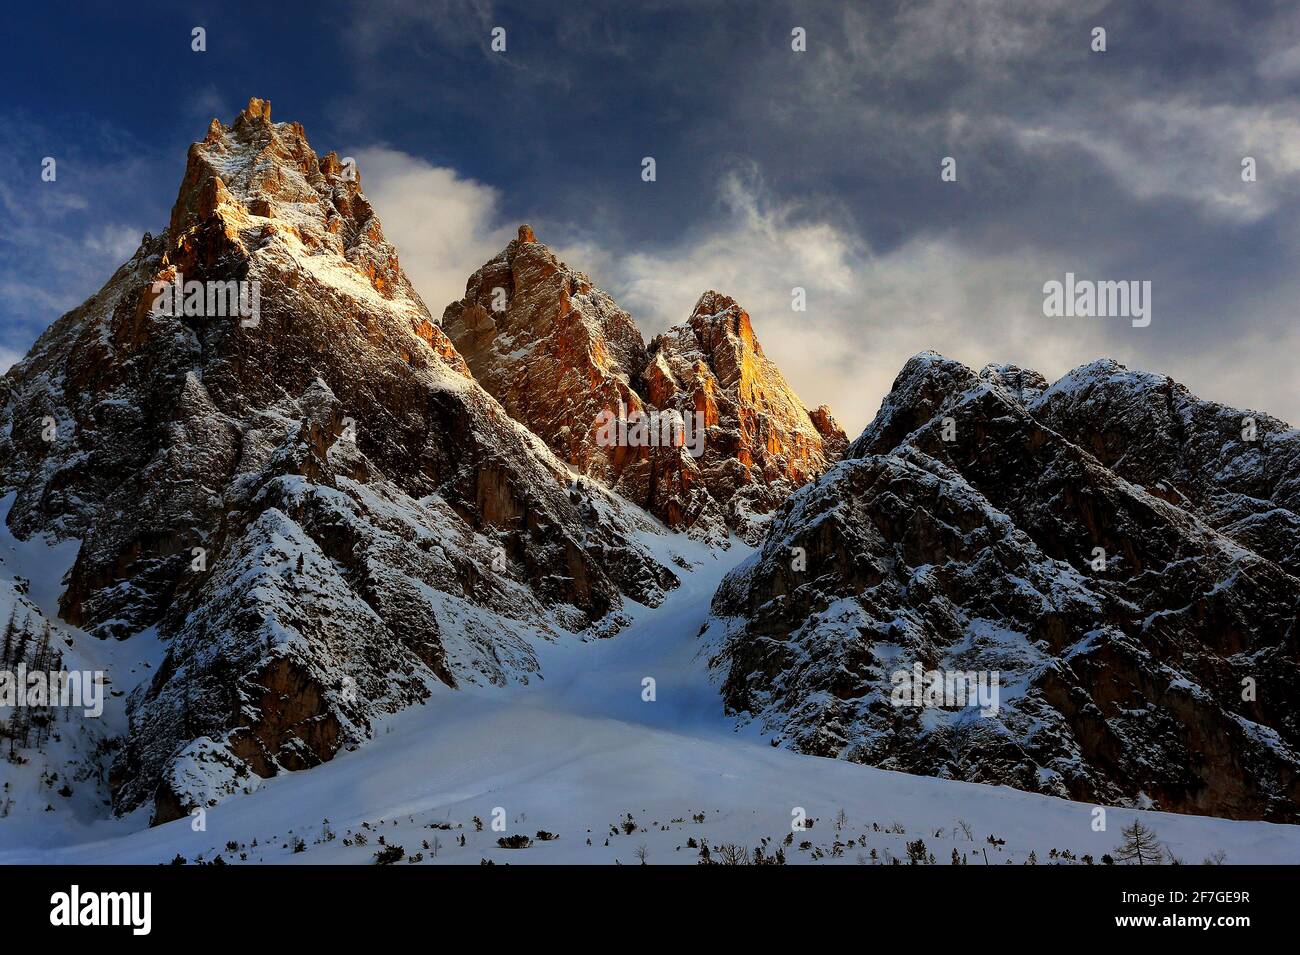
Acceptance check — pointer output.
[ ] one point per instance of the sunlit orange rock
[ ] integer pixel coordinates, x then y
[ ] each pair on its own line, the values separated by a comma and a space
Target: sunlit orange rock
559, 354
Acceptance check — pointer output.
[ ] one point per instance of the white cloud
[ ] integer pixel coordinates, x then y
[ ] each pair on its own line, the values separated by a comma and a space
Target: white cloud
988, 36
1281, 65
8, 358
868, 311
1179, 148
444, 226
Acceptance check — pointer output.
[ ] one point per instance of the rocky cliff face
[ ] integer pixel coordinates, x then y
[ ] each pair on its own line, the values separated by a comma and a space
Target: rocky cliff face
553, 349
315, 503
1239, 471
760, 441
1118, 551
559, 354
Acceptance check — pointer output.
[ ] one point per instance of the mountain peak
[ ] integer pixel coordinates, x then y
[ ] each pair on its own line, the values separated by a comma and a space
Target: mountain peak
1120, 551
713, 303
366, 515
717, 315
562, 357
257, 111
763, 442
254, 190
551, 347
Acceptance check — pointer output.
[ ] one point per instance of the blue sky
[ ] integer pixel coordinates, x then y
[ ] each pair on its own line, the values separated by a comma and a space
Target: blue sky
775, 169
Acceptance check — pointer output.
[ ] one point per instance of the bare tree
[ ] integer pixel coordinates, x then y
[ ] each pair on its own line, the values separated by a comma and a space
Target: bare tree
731, 854
1139, 843
642, 853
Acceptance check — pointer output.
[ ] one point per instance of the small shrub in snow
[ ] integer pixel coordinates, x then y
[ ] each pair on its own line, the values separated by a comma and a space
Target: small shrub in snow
917, 853
389, 854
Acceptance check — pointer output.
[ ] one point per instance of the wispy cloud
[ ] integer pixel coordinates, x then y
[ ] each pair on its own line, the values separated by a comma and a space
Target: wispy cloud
867, 312
62, 239
444, 226
8, 358
1179, 148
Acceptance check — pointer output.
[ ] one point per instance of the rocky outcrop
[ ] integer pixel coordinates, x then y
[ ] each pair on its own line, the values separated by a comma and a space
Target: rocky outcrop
563, 358
551, 347
1237, 470
760, 441
1098, 543
311, 498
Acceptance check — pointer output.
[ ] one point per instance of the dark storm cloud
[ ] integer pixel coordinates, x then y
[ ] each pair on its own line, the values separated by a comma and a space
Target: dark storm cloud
819, 169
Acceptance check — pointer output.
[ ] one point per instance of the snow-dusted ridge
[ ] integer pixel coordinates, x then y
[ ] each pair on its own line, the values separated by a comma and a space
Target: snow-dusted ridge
1115, 549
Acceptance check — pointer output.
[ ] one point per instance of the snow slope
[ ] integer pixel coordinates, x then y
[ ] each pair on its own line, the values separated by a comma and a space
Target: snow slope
75, 755
578, 751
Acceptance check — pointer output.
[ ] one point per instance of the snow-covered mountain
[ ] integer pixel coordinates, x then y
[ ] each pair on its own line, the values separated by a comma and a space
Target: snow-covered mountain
1119, 552
338, 560
317, 508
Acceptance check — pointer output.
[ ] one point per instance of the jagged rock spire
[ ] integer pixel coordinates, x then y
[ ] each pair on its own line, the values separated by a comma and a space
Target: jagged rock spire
560, 355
